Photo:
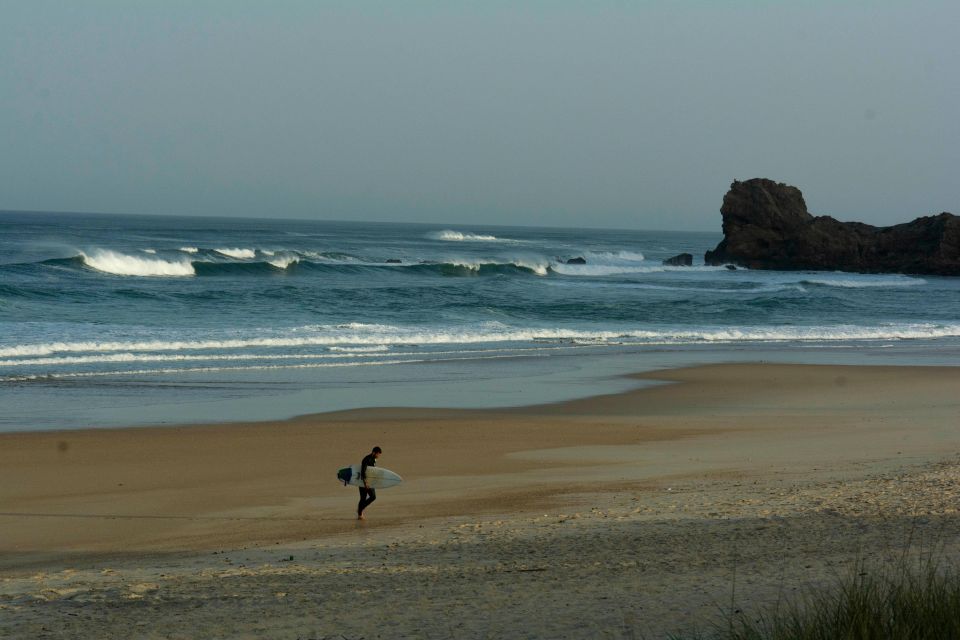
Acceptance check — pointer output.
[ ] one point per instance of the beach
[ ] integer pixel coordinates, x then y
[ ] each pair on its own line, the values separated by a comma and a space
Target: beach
634, 514
654, 307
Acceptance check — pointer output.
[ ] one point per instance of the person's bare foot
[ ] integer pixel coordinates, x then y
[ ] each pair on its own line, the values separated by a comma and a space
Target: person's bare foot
360, 517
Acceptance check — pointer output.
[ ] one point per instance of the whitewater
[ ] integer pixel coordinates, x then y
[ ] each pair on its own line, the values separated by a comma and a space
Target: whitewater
115, 311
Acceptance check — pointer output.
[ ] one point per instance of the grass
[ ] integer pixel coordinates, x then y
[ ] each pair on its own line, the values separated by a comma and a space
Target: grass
907, 602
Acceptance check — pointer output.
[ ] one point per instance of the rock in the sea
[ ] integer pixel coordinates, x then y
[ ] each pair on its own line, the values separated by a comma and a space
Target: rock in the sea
577, 261
766, 225
680, 260
394, 261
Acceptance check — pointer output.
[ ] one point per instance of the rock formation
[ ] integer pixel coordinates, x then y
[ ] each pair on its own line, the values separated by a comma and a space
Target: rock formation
679, 260
766, 226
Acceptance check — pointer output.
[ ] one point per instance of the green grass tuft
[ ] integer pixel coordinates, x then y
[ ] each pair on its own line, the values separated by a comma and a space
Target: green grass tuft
919, 602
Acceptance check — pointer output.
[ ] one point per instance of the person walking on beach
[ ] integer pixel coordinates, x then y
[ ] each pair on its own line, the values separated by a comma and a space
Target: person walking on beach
367, 493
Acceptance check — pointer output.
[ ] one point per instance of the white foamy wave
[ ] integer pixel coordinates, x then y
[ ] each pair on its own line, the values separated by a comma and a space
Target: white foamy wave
239, 254
284, 261
866, 282
449, 235
123, 265
539, 268
351, 336
374, 349
718, 290
836, 333
189, 249
150, 251
619, 269
338, 353
609, 263
336, 258
363, 335
473, 266
606, 257
359, 326
326, 365
266, 367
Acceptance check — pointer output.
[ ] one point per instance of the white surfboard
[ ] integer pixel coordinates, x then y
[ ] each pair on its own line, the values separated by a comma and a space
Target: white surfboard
377, 477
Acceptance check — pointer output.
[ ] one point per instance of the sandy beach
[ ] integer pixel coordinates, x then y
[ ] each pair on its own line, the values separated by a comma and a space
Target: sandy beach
626, 515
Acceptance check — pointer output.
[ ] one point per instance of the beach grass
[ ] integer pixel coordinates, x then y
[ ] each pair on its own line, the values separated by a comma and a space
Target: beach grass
911, 600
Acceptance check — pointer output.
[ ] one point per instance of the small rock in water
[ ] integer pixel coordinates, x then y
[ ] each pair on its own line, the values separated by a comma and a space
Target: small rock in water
679, 260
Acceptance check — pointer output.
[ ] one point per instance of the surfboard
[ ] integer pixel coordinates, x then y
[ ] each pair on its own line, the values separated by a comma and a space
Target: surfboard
377, 477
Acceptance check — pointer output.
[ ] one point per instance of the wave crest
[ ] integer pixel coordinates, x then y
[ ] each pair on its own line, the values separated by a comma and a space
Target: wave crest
863, 283
448, 235
361, 337
607, 257
483, 268
120, 264
282, 262
239, 254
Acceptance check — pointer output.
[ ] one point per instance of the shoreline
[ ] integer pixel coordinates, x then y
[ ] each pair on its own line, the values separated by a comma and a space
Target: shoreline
515, 381
827, 457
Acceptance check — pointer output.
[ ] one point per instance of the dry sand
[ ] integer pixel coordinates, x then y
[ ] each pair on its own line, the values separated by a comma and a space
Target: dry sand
627, 515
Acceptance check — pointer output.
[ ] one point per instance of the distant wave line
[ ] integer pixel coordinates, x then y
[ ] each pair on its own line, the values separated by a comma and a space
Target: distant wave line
263, 261
449, 235
320, 341
385, 335
863, 284
132, 357
326, 365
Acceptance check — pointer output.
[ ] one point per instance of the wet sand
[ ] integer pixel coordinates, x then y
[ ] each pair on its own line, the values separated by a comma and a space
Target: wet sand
628, 514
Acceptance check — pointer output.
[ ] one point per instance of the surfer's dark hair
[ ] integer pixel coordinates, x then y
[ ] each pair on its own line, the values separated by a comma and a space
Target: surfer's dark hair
377, 450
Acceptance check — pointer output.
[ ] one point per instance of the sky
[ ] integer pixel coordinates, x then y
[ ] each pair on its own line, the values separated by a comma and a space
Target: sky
634, 115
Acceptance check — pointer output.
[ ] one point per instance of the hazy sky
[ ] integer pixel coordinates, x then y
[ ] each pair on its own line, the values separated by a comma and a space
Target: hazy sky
614, 114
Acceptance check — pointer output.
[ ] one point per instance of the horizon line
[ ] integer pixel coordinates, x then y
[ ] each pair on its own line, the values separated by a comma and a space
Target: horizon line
284, 219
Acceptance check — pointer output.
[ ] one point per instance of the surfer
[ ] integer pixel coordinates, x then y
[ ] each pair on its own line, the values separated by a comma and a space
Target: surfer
367, 493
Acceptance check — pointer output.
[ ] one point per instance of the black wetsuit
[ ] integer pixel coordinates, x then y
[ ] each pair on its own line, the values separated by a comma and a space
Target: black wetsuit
367, 496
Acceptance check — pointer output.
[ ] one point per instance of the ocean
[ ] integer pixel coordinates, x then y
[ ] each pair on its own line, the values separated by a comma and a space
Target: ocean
109, 320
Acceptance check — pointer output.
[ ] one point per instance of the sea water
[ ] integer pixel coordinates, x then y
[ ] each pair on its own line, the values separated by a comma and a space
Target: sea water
128, 320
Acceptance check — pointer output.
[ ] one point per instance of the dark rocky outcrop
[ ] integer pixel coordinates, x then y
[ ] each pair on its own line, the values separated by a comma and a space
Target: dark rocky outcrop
394, 261
766, 225
680, 260
579, 260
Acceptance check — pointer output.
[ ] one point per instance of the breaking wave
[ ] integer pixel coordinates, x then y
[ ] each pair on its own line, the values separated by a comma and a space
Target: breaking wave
380, 337
478, 268
598, 264
239, 254
614, 269
374, 349
449, 235
282, 262
607, 263
120, 264
864, 282
614, 256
